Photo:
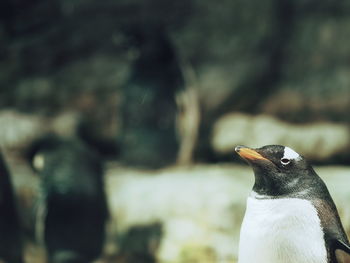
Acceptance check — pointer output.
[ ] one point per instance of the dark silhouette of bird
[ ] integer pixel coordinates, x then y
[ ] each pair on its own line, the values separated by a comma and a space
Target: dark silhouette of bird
10, 229
73, 202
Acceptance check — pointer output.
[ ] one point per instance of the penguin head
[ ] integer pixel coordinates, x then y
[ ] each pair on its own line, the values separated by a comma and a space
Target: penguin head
278, 170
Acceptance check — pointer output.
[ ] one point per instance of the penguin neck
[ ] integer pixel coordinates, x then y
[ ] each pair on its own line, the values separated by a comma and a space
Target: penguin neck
276, 188
304, 187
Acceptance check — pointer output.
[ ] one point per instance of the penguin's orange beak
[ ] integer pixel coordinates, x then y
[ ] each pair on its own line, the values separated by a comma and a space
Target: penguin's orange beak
249, 154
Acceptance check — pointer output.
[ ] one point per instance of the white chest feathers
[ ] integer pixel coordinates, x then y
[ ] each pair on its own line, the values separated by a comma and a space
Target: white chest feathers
285, 230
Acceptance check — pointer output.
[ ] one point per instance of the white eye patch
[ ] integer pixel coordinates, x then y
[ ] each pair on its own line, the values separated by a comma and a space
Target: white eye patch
290, 154
39, 161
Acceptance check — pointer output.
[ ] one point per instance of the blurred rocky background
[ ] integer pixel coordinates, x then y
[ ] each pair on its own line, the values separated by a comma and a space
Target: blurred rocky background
163, 91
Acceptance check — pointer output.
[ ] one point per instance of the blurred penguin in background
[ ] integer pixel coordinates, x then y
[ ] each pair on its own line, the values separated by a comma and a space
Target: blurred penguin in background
73, 209
10, 234
149, 107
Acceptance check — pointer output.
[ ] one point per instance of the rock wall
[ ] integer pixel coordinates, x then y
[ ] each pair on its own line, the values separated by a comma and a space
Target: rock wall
319, 141
176, 215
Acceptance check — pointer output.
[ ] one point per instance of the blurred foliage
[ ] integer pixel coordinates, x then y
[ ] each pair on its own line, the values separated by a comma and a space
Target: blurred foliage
59, 49
289, 59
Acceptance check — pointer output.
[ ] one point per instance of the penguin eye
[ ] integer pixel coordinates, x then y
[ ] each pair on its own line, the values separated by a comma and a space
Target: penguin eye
285, 161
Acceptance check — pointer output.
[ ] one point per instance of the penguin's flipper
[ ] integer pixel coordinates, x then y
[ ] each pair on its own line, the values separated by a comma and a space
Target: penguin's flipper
342, 252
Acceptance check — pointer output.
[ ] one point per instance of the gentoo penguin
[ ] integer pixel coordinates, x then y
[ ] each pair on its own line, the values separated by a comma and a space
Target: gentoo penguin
73, 208
290, 215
